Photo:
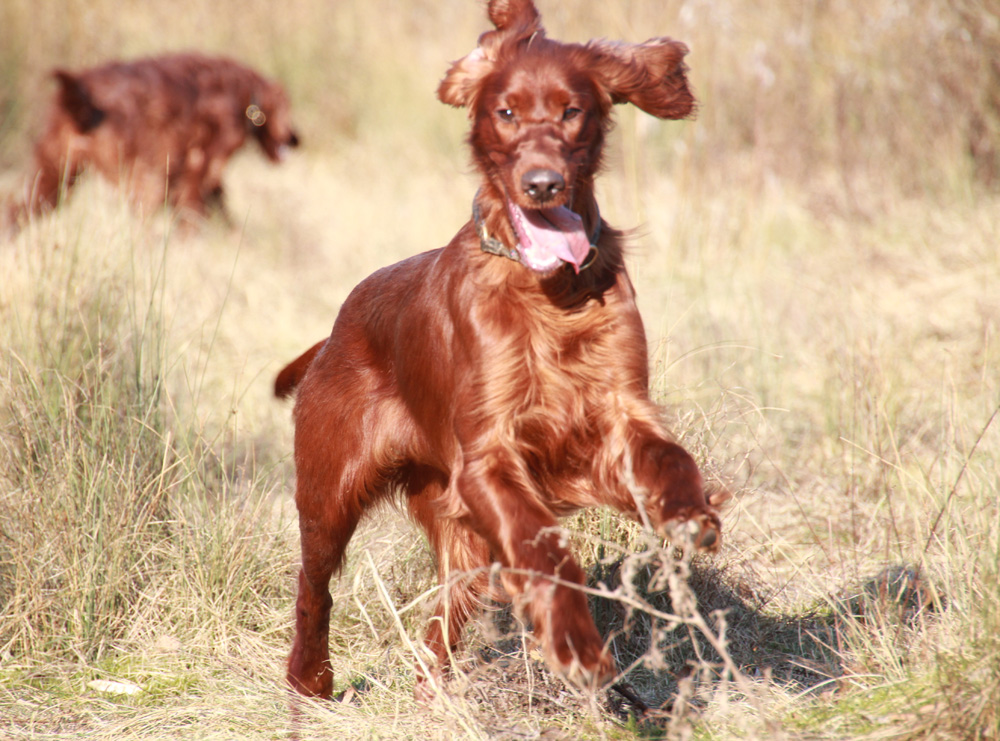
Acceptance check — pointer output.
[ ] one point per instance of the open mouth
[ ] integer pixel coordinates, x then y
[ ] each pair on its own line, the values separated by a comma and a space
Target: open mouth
549, 237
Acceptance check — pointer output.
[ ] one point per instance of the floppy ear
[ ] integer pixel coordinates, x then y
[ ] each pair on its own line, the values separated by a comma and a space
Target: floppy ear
648, 75
514, 14
515, 21
76, 101
462, 81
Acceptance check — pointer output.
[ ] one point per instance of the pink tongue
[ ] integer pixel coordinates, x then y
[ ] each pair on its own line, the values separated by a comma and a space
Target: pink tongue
547, 235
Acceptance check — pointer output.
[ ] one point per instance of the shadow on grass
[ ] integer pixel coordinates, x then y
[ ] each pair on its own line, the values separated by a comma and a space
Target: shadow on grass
792, 650
670, 668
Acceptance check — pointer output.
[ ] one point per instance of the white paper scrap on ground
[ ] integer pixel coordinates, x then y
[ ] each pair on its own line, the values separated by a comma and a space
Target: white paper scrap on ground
114, 688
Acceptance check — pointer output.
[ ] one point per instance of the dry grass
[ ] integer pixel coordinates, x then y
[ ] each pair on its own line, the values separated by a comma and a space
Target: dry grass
816, 261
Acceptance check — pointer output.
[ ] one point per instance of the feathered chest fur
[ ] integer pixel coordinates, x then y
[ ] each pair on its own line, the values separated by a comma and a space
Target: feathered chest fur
550, 384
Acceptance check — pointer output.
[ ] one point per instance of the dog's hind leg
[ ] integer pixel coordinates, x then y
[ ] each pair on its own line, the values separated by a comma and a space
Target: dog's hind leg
330, 502
324, 541
462, 560
343, 468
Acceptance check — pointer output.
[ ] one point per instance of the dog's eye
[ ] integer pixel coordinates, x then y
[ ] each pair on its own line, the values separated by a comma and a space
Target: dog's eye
505, 114
571, 113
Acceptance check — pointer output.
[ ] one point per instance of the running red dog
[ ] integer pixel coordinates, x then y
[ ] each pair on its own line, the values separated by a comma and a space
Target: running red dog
501, 382
164, 126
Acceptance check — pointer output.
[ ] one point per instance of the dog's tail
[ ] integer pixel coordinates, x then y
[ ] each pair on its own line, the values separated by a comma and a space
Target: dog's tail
291, 375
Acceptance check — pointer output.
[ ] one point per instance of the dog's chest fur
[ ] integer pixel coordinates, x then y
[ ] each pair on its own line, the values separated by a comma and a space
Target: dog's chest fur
552, 384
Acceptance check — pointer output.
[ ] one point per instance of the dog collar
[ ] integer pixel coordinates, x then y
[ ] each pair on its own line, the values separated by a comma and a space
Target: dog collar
487, 243
494, 246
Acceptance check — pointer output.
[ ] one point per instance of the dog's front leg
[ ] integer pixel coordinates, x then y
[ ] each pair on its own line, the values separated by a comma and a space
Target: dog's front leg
540, 574
667, 480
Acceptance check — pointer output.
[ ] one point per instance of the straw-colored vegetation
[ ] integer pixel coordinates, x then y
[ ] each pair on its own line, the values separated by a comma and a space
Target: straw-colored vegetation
817, 260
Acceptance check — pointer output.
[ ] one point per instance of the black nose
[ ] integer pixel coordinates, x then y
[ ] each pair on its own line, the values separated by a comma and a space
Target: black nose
542, 185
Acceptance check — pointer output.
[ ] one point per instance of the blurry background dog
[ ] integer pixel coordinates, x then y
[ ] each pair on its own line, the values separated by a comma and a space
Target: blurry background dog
163, 127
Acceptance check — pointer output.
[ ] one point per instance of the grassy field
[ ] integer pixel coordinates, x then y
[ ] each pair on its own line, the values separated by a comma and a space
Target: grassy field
817, 262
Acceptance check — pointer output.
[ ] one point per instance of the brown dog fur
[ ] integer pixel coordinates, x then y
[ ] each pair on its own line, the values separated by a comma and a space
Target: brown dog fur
490, 396
164, 127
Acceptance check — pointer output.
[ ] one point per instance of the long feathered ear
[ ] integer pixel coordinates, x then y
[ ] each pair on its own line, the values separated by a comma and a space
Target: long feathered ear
650, 75
515, 20
514, 14
462, 81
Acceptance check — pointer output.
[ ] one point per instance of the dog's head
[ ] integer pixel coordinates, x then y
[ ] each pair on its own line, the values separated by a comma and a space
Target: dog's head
540, 109
270, 121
